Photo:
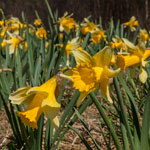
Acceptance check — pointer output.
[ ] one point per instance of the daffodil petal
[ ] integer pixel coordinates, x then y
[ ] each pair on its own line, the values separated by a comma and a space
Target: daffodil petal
82, 96
75, 40
112, 73
103, 57
31, 115
11, 49
104, 87
36, 90
44, 88
51, 112
61, 28
55, 122
20, 96
144, 63
146, 54
129, 44
82, 57
143, 75
49, 105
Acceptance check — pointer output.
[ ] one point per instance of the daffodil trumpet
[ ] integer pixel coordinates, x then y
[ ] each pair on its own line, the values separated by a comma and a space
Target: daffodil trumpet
138, 55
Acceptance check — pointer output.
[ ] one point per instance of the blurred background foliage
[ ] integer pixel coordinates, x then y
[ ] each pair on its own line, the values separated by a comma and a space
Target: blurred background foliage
118, 9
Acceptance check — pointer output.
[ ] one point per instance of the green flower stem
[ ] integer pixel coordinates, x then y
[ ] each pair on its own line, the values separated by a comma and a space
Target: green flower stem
120, 100
107, 121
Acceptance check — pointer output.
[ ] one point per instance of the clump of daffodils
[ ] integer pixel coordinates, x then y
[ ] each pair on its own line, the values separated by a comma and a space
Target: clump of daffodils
13, 33
96, 63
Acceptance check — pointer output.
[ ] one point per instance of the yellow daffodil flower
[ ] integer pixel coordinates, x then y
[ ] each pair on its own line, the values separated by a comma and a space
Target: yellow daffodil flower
13, 42
14, 24
88, 27
37, 22
41, 33
12, 20
91, 73
143, 35
70, 46
98, 35
138, 55
15, 27
38, 99
66, 23
132, 23
118, 44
